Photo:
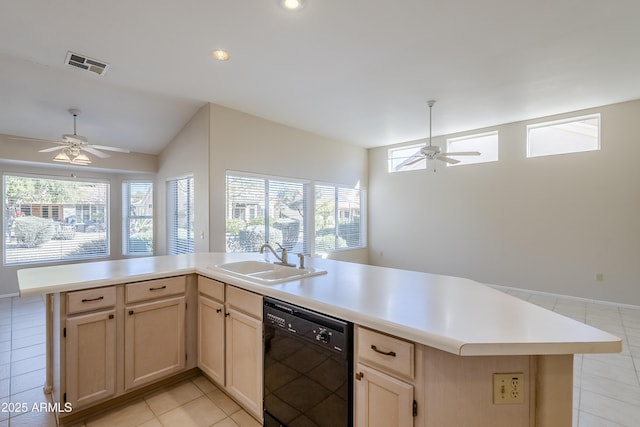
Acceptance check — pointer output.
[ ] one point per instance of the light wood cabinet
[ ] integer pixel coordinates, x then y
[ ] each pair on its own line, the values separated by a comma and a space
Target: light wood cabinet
91, 358
244, 348
382, 400
384, 389
154, 340
211, 329
244, 360
230, 341
110, 340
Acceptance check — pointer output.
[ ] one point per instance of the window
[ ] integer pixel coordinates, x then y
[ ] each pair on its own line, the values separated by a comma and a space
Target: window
54, 219
137, 212
338, 218
402, 158
180, 215
564, 136
485, 143
265, 209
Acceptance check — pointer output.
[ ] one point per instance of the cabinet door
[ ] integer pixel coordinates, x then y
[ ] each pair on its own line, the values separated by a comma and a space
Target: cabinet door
154, 341
381, 400
90, 358
211, 338
244, 360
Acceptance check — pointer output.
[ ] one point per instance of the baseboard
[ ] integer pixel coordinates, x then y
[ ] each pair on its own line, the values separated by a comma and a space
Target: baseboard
571, 297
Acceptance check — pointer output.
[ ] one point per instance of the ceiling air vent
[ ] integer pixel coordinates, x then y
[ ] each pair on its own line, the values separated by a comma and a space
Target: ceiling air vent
86, 63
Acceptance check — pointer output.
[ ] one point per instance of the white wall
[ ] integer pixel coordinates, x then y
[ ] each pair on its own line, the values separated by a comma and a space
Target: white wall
547, 223
241, 142
187, 154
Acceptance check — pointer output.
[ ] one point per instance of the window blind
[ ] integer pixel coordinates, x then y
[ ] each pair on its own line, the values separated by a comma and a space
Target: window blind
180, 198
337, 218
54, 219
264, 209
137, 209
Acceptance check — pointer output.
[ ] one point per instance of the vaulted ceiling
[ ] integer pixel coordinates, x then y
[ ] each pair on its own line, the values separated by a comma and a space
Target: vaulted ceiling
358, 71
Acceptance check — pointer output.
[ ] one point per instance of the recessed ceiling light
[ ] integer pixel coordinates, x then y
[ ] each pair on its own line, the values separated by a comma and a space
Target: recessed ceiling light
292, 4
221, 55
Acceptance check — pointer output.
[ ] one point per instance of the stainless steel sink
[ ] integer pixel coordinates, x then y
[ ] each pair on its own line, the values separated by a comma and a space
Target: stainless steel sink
267, 273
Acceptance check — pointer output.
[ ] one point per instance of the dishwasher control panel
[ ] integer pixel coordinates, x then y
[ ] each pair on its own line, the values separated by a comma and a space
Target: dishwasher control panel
326, 331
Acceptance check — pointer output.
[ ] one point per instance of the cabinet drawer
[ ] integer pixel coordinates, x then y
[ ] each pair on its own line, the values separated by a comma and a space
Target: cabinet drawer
386, 352
151, 289
91, 299
245, 301
211, 288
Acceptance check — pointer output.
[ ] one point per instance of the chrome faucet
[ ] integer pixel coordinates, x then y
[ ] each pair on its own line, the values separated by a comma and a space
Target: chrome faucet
283, 260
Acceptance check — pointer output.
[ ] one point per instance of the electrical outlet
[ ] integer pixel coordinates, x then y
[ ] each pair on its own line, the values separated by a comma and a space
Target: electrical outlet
508, 388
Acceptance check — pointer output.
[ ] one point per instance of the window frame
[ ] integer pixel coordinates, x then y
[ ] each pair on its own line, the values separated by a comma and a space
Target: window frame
127, 217
468, 160
363, 217
173, 246
306, 189
84, 207
552, 123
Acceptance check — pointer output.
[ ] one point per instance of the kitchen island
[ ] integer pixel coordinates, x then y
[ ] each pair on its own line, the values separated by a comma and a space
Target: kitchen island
460, 332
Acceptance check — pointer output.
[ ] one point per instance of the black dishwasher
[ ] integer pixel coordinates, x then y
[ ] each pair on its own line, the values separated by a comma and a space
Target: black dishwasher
308, 366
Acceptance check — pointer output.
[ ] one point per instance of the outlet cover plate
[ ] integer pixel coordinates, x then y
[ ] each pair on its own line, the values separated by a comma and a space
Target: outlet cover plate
508, 388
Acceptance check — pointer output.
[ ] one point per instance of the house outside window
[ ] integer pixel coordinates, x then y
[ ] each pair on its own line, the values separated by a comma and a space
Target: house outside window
263, 209
51, 219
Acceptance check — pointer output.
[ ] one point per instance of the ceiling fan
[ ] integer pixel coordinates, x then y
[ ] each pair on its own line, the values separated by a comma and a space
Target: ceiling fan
73, 147
434, 152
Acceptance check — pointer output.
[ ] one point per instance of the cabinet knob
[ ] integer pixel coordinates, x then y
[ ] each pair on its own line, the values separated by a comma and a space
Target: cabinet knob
359, 375
227, 315
130, 312
218, 310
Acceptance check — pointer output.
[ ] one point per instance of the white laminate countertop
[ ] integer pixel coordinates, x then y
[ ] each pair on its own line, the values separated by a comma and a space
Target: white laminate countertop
453, 314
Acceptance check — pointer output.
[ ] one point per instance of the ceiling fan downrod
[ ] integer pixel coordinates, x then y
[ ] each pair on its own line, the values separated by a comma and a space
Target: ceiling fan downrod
74, 112
430, 104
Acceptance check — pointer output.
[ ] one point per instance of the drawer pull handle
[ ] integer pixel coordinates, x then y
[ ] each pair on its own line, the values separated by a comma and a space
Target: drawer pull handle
218, 310
158, 288
92, 299
385, 353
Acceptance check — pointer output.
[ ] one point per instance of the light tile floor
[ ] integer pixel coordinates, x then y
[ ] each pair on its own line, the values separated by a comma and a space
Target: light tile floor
606, 387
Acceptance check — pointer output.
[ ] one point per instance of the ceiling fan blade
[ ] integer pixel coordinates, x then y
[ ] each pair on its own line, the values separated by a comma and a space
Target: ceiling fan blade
463, 153
49, 150
412, 159
21, 138
447, 159
106, 147
90, 149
